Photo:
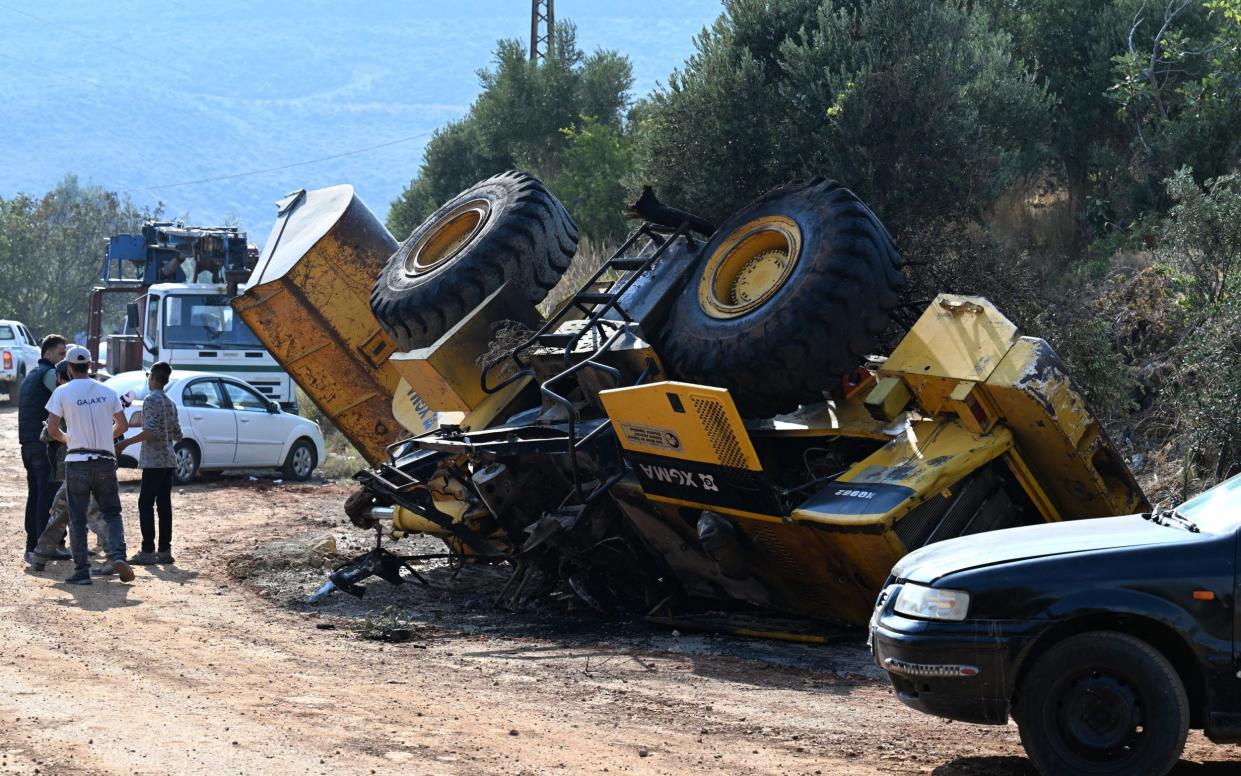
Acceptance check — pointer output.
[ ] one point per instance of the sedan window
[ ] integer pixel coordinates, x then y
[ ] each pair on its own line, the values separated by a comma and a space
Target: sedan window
204, 393
245, 400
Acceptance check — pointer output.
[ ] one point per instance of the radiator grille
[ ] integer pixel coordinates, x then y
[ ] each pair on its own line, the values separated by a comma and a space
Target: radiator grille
723, 440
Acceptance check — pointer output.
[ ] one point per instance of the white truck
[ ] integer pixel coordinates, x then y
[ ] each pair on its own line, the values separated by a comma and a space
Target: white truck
192, 327
176, 281
19, 353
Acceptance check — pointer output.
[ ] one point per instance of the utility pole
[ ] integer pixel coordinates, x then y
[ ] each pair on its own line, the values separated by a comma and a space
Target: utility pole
542, 22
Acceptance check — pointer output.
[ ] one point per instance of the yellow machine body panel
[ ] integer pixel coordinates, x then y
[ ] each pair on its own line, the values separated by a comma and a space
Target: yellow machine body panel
957, 338
683, 422
308, 302
969, 417
963, 358
847, 417
922, 461
446, 375
1077, 465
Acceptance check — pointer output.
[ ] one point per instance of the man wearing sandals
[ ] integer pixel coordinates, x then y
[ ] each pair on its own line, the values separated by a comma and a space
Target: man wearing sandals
93, 419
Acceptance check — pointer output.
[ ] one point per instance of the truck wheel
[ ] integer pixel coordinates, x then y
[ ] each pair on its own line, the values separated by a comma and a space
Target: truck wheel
506, 228
185, 453
791, 293
300, 461
1103, 703
15, 388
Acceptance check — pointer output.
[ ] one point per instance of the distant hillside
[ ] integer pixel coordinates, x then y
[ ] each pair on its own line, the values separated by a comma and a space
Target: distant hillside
154, 103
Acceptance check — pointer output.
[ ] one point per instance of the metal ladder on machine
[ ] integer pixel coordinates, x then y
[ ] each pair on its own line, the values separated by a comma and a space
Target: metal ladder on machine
594, 305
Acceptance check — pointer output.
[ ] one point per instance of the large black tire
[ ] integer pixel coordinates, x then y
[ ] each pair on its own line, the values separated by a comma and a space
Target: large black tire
1103, 703
816, 326
506, 228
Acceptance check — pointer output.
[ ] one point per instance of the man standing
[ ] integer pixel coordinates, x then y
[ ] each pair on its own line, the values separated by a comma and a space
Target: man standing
93, 420
36, 389
50, 546
160, 431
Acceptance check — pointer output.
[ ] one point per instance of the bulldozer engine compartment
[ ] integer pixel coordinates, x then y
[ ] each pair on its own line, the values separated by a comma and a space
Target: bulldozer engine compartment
703, 434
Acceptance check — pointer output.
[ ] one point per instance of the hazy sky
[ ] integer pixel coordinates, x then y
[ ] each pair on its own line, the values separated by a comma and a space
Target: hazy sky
151, 98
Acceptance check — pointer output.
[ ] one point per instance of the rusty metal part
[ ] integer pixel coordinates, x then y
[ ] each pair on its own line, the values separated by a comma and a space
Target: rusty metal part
308, 302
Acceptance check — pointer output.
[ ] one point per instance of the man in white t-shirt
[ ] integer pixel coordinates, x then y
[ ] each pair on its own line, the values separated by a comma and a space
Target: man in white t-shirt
93, 419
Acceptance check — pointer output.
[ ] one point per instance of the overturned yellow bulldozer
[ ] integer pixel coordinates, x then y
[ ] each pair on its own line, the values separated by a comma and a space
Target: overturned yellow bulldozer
703, 433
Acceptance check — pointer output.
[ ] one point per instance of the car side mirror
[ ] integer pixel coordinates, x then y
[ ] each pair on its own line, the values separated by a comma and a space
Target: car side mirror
273, 407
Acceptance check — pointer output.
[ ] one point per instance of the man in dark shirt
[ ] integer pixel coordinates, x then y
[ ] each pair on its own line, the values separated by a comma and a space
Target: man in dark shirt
31, 414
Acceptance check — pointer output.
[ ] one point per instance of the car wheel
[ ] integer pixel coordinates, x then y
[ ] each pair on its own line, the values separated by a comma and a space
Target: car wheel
1103, 703
301, 461
186, 469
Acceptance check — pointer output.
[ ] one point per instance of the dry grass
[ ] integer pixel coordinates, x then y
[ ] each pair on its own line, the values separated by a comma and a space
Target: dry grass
589, 258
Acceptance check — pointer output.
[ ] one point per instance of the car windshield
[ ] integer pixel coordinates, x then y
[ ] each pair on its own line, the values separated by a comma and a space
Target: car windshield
1215, 510
6, 332
204, 321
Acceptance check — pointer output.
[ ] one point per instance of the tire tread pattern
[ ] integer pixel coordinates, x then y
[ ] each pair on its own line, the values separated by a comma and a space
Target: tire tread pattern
529, 239
819, 327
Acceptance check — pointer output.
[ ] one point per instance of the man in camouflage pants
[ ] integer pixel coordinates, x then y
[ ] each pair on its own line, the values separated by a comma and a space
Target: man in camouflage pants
58, 522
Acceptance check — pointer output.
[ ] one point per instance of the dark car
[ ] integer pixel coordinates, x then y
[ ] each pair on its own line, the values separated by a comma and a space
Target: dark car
1105, 639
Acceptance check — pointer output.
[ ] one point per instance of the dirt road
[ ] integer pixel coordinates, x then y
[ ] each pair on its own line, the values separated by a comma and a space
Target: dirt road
215, 666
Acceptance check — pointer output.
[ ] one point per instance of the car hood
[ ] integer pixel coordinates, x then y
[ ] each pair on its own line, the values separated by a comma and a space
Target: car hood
1036, 541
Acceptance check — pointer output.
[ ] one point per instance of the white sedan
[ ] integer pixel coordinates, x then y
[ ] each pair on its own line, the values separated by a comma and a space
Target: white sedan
227, 424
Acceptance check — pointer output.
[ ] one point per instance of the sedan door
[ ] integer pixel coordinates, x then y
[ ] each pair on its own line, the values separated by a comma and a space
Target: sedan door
260, 436
213, 421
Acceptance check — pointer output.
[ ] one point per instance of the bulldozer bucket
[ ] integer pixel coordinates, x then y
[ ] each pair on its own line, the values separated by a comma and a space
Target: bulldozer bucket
308, 302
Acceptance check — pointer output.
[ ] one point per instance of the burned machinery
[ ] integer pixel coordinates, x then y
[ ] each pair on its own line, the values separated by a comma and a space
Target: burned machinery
702, 432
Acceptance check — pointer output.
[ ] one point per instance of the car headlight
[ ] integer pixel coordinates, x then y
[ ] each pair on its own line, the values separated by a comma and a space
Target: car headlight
932, 603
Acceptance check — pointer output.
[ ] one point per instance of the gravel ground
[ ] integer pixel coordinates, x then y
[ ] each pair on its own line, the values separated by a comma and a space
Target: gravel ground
217, 665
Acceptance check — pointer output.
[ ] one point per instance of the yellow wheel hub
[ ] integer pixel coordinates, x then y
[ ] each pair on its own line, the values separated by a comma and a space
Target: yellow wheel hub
749, 266
446, 239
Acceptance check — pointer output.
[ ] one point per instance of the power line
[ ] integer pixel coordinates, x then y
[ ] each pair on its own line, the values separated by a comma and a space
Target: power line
232, 176
97, 41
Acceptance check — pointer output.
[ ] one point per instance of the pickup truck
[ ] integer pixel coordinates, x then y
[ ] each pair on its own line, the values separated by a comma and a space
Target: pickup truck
19, 353
1105, 639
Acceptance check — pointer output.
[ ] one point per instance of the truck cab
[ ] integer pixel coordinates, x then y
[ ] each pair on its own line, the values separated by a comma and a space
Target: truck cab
176, 281
192, 326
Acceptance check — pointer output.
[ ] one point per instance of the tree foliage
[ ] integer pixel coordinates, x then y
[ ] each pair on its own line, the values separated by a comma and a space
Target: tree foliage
917, 104
549, 117
51, 249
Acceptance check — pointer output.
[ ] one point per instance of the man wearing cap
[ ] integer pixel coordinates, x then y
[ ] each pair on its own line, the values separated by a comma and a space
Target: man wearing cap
93, 420
36, 389
50, 546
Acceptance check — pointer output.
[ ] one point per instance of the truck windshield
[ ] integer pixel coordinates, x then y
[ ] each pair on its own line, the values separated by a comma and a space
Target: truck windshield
204, 321
6, 332
1217, 509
